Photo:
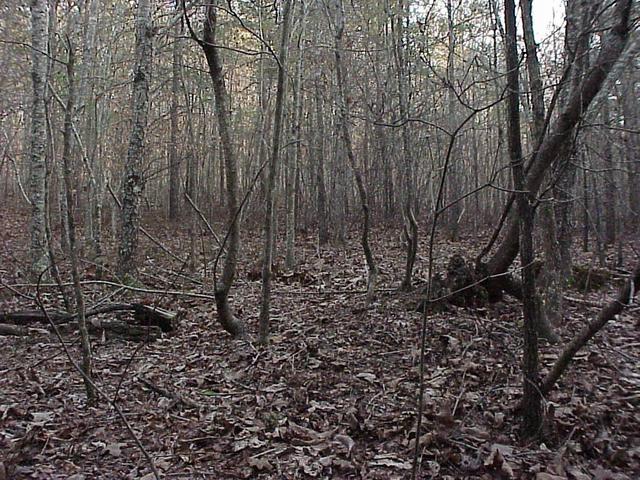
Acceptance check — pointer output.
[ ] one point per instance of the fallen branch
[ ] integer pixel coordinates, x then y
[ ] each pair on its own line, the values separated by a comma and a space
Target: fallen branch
176, 397
624, 299
98, 390
144, 314
13, 330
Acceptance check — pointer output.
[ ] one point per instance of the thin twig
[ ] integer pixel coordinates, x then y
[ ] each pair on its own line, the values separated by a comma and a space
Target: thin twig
92, 383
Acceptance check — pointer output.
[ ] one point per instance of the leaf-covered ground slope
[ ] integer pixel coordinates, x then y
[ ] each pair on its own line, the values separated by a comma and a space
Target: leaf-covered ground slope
334, 396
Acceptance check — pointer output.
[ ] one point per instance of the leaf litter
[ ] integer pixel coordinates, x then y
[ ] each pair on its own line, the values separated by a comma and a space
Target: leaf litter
333, 396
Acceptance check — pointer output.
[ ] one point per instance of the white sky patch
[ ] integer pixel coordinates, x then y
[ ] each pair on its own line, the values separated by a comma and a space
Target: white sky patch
548, 15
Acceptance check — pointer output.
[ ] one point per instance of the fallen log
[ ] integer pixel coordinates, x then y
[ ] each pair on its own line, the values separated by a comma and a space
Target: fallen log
13, 330
124, 330
145, 315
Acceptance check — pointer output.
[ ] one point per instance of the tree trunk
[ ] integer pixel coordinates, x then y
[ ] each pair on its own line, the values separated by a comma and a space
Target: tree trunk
68, 167
133, 182
454, 187
225, 316
630, 109
549, 298
610, 187
563, 128
293, 166
410, 223
174, 162
532, 401
273, 174
39, 43
343, 111
323, 231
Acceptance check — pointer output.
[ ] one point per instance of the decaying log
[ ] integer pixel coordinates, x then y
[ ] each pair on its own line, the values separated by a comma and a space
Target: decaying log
120, 329
145, 315
13, 330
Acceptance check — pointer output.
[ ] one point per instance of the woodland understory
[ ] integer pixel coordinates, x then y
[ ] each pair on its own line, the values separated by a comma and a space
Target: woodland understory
334, 395
291, 239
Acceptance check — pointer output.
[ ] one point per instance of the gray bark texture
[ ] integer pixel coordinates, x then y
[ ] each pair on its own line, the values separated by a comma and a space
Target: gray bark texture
69, 187
274, 164
531, 398
228, 321
174, 161
345, 131
562, 129
39, 59
133, 181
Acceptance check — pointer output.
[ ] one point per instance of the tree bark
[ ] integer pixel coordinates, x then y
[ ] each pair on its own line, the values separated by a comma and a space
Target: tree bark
68, 167
532, 401
410, 223
323, 231
343, 111
562, 129
227, 320
549, 296
610, 187
291, 206
174, 161
39, 43
274, 162
133, 182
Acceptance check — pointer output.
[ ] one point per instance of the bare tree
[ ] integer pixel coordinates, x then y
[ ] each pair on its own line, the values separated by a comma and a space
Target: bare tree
174, 161
68, 167
345, 131
133, 182
222, 288
562, 129
532, 404
274, 162
39, 59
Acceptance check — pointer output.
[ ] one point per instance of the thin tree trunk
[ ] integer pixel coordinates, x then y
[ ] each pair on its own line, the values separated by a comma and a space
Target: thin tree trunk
610, 187
343, 111
454, 183
323, 232
292, 167
225, 316
273, 174
174, 162
549, 298
68, 167
410, 223
532, 401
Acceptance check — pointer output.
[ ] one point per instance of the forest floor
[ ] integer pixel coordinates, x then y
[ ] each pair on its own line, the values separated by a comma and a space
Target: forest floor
333, 396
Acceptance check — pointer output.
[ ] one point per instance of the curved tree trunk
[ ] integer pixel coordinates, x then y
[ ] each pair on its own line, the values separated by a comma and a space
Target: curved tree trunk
563, 128
228, 321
